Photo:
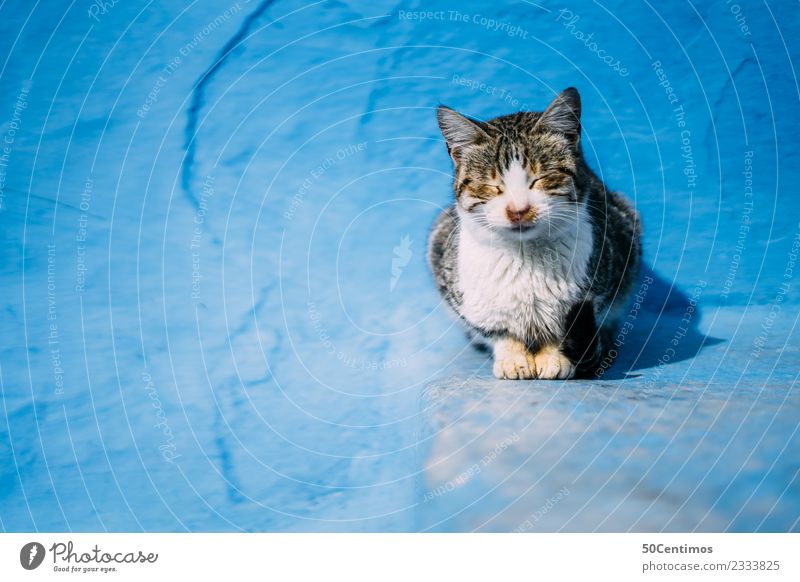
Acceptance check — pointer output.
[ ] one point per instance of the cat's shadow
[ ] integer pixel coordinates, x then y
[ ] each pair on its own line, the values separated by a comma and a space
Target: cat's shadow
664, 330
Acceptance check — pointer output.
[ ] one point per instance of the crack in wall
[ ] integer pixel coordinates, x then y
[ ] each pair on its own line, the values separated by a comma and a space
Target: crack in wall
198, 97
226, 457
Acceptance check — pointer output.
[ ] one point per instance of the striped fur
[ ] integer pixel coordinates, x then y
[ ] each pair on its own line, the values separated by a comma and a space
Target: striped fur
535, 256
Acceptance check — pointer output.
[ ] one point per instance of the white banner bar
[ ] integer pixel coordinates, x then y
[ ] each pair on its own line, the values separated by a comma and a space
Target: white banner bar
401, 557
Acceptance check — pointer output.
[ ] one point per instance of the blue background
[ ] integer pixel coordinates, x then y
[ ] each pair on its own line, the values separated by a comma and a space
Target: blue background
237, 179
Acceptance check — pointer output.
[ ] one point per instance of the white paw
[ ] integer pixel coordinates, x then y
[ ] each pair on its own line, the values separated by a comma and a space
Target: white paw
551, 364
513, 361
514, 367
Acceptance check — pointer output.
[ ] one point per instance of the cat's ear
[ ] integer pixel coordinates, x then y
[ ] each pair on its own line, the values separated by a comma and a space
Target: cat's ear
458, 130
564, 114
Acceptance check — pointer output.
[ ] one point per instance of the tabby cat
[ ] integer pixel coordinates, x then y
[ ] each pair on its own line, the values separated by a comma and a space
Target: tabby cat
536, 256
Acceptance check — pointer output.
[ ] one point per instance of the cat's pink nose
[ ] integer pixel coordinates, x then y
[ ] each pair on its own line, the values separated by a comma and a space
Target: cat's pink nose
519, 215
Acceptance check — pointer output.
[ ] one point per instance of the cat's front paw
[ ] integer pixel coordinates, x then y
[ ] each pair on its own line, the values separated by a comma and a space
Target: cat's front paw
550, 364
513, 361
515, 367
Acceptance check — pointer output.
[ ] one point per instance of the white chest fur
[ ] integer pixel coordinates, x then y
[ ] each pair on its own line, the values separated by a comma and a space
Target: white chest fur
525, 287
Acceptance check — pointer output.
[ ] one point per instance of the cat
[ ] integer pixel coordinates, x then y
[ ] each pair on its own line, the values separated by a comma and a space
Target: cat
536, 256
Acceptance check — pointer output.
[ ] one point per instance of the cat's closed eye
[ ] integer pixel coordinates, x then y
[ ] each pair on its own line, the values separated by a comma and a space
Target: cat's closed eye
487, 190
554, 182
